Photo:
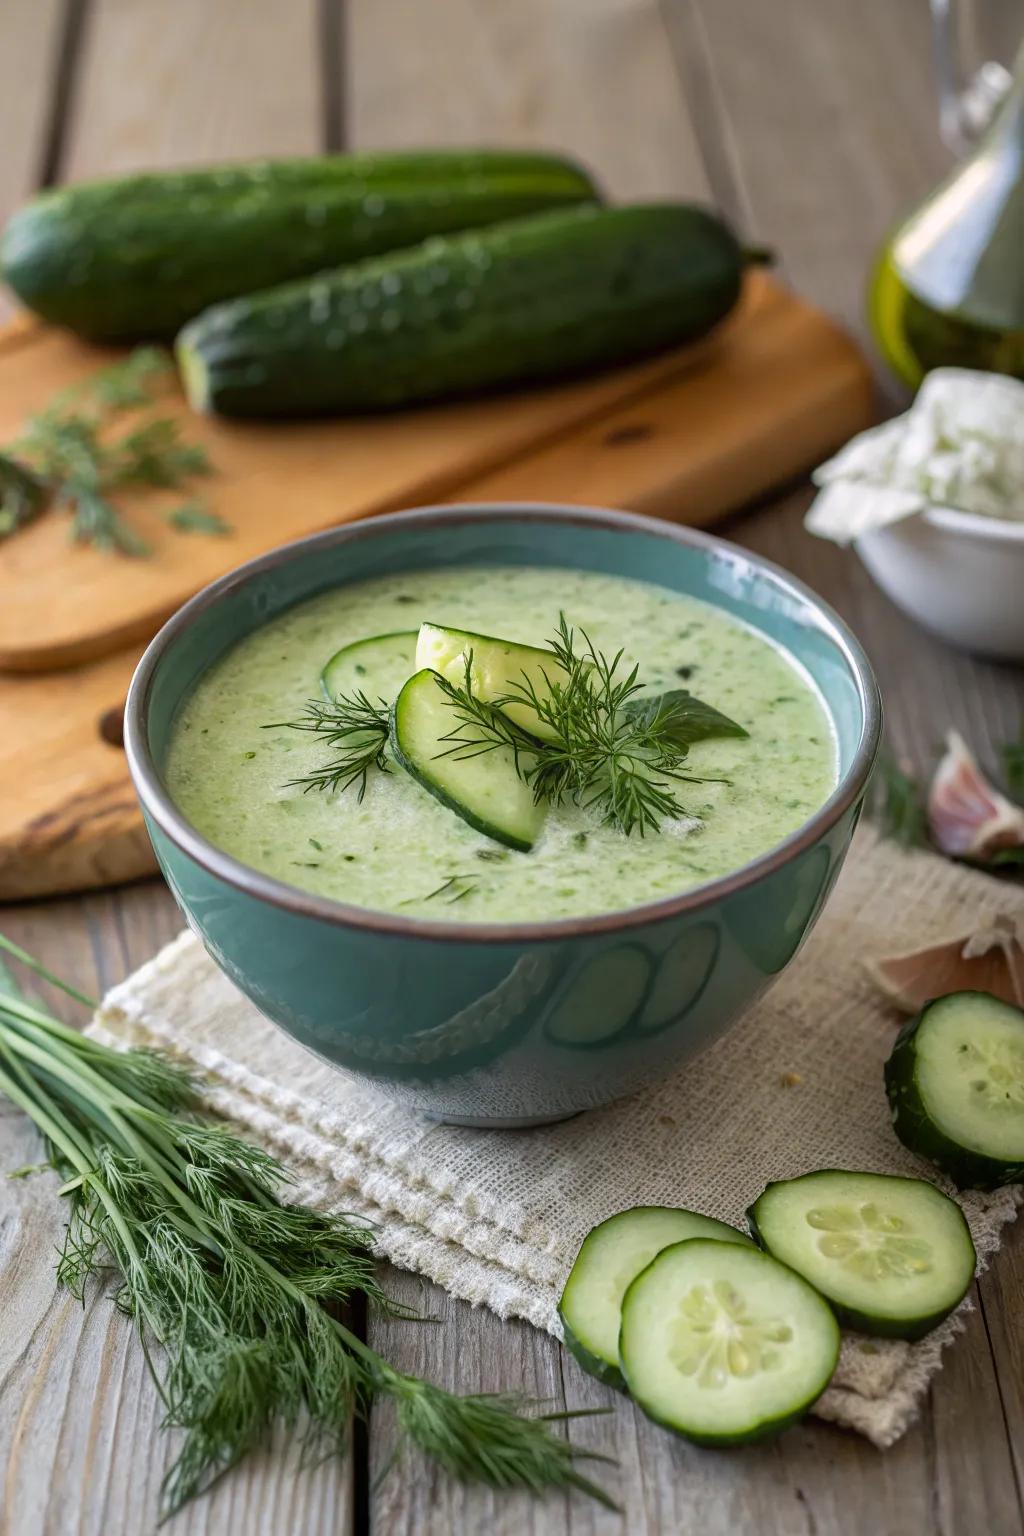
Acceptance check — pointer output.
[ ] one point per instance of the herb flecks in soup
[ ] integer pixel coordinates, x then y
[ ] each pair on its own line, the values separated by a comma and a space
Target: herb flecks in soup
724, 799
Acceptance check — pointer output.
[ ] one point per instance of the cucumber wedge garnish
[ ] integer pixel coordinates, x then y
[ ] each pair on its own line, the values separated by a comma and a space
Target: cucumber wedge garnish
612, 1255
723, 1344
893, 1256
484, 790
378, 666
955, 1082
497, 666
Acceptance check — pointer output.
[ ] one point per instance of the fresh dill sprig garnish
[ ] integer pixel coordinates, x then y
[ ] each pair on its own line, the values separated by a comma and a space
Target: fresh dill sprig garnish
353, 723
1012, 754
604, 745
455, 888
896, 802
77, 460
240, 1289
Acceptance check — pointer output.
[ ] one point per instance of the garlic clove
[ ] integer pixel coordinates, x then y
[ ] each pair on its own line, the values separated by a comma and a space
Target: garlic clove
989, 960
967, 817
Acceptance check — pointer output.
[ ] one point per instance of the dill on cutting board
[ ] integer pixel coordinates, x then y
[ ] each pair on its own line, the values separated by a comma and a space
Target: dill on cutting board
241, 1289
78, 454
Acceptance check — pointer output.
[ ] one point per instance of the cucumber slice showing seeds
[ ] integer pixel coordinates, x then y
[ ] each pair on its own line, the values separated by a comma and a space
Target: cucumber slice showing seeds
724, 1344
893, 1256
955, 1082
376, 666
484, 790
612, 1255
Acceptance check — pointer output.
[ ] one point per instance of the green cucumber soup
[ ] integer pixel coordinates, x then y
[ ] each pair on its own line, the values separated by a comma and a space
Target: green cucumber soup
398, 849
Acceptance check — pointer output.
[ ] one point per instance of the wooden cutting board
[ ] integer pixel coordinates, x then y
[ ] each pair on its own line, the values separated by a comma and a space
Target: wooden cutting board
689, 436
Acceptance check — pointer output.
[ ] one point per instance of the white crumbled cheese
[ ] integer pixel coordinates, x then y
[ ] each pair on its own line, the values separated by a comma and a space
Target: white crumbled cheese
960, 445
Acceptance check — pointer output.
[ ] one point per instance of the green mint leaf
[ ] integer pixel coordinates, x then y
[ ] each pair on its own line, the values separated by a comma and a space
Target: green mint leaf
679, 719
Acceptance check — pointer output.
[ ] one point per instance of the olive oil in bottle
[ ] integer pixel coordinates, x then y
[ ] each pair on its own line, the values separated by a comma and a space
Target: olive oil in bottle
948, 286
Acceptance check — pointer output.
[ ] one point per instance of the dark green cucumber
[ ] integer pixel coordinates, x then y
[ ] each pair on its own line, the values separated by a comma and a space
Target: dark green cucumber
536, 298
139, 256
484, 789
893, 1256
955, 1082
612, 1255
724, 1344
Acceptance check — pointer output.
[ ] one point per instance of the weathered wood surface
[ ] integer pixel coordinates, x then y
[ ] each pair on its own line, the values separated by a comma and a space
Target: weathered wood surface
814, 126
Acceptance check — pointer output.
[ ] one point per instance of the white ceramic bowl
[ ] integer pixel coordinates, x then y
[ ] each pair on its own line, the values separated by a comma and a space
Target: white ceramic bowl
957, 574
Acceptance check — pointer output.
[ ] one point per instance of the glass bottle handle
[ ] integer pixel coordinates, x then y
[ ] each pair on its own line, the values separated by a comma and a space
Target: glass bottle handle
966, 105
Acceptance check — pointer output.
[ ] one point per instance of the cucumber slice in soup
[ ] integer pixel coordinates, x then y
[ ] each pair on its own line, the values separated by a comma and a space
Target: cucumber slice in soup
612, 1255
484, 790
497, 666
724, 1344
893, 1256
377, 666
601, 999
955, 1082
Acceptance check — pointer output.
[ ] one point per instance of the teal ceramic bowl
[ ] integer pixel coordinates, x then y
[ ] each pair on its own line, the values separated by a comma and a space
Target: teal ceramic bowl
519, 1023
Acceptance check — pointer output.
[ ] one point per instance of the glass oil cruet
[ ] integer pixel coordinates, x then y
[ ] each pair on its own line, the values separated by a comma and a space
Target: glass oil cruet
948, 285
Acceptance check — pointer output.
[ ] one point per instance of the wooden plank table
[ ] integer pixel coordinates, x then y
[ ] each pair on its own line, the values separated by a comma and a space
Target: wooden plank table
812, 126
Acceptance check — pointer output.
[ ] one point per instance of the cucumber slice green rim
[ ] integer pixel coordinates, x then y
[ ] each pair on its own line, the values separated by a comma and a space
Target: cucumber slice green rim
380, 664
485, 790
612, 1255
723, 1344
955, 1081
600, 1001
892, 1256
497, 666
679, 982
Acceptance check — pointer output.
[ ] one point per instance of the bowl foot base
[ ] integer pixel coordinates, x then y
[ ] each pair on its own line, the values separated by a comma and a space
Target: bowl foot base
516, 1123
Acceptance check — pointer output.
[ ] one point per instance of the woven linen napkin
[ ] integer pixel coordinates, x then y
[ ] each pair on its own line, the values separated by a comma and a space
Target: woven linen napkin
496, 1217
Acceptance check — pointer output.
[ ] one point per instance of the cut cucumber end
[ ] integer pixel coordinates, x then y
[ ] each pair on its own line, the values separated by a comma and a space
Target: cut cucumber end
195, 375
892, 1256
723, 1344
485, 790
955, 1081
611, 1256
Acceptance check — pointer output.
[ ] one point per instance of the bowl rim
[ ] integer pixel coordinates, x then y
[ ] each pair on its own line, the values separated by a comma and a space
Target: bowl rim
996, 530
156, 802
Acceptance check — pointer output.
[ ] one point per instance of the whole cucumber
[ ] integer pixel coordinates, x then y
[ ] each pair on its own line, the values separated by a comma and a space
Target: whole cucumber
137, 257
532, 299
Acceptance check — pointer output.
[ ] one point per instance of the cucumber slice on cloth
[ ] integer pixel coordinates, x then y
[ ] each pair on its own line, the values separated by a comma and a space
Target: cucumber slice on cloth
723, 1343
955, 1082
612, 1255
893, 1256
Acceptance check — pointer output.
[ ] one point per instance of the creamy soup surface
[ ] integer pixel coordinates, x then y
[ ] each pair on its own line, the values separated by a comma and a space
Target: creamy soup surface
395, 850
